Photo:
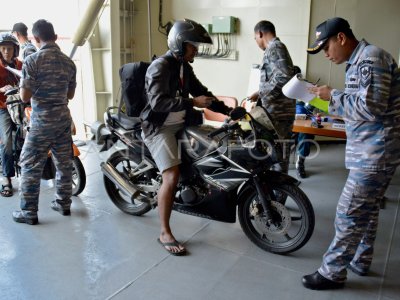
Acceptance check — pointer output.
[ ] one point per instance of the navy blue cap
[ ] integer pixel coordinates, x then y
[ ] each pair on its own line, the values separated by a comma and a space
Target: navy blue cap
327, 29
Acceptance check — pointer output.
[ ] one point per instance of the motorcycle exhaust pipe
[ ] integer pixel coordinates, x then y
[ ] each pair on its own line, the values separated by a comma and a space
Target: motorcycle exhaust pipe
118, 180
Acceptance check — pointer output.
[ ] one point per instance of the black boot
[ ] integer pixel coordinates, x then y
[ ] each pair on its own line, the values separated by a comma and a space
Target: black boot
64, 210
21, 216
316, 281
301, 171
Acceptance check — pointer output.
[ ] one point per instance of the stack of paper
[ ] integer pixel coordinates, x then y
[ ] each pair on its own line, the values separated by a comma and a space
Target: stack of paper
297, 88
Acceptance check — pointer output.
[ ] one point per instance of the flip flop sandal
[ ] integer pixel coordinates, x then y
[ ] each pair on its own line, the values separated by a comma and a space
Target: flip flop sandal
172, 244
6, 190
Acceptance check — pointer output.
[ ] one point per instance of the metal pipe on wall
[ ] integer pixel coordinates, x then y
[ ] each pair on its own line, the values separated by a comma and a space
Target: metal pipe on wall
87, 24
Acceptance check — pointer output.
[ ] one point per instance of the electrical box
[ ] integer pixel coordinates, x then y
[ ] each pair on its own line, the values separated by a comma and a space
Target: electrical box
207, 27
224, 24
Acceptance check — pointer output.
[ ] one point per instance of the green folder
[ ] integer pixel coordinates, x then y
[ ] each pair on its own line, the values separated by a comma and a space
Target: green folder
320, 104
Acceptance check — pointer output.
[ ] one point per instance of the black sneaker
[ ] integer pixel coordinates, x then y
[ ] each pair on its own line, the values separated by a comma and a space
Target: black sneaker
21, 216
65, 211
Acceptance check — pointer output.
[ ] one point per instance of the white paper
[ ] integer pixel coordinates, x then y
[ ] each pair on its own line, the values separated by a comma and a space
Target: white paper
254, 81
297, 88
14, 71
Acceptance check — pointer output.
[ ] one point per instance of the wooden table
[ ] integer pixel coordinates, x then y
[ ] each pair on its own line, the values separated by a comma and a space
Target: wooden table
304, 126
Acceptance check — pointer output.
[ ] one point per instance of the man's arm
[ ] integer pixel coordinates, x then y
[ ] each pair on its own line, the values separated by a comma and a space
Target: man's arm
72, 85
71, 93
25, 94
197, 89
28, 80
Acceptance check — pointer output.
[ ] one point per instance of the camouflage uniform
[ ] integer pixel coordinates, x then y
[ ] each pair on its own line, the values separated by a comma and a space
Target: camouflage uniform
370, 106
276, 70
27, 48
49, 74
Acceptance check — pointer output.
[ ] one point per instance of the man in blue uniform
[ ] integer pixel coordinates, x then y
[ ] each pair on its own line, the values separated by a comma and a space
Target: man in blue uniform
302, 140
48, 81
20, 31
276, 70
370, 107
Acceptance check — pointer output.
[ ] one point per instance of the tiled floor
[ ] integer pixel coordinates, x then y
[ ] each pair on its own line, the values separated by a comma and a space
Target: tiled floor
101, 253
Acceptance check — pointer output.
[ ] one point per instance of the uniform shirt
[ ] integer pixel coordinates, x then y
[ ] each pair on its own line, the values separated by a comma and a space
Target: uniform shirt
49, 74
8, 78
27, 48
276, 70
370, 107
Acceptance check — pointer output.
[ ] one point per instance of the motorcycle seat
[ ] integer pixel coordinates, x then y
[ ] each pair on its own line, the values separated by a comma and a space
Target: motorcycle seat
126, 122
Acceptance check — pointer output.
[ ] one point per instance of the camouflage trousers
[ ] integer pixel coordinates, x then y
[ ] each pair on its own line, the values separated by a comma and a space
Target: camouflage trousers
356, 223
284, 130
33, 159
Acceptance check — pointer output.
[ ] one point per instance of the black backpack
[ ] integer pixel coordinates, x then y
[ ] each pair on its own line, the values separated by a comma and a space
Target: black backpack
132, 77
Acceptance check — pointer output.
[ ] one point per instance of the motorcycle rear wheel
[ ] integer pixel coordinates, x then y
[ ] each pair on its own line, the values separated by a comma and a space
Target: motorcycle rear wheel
295, 220
125, 164
78, 176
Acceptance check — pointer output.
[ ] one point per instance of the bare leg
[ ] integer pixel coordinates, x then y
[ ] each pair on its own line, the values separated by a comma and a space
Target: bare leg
165, 200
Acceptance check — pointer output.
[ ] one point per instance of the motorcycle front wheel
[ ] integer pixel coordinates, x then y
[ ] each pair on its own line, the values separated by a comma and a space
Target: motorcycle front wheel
125, 162
78, 176
293, 221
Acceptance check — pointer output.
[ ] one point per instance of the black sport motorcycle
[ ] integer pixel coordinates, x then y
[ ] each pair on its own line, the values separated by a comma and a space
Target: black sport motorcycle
221, 169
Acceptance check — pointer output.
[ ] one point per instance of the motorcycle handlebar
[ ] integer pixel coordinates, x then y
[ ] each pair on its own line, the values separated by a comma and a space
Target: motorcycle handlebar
224, 128
218, 131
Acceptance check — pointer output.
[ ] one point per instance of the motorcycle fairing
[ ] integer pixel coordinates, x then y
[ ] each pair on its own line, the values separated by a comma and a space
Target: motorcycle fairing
195, 141
217, 205
221, 172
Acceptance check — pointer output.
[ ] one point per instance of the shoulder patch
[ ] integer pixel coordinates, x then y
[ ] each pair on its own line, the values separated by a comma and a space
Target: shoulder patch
365, 73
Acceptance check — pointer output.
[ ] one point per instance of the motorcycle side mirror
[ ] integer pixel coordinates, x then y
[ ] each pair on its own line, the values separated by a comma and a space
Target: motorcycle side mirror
238, 113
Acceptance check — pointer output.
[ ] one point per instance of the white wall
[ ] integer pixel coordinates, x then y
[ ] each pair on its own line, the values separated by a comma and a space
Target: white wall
376, 21
64, 15
227, 77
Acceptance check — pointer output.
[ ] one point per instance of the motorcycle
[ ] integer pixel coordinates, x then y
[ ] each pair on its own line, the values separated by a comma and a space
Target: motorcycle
224, 172
20, 114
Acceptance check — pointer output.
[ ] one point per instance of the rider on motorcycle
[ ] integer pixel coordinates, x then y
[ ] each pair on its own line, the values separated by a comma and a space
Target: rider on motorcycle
9, 49
169, 82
